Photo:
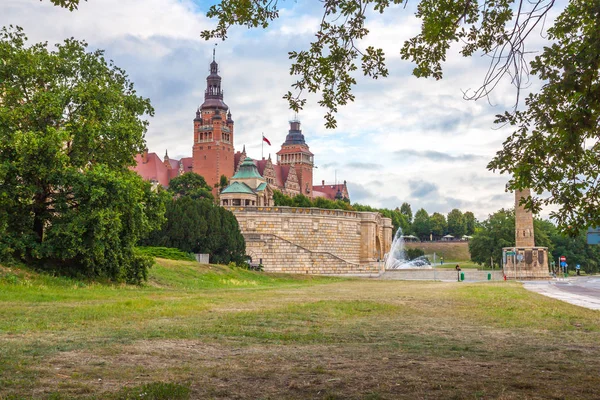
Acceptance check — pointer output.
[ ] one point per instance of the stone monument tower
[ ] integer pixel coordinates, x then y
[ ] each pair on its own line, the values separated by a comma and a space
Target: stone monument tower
525, 260
524, 236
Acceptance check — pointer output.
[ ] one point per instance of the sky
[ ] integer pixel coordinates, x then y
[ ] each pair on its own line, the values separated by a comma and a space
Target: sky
404, 139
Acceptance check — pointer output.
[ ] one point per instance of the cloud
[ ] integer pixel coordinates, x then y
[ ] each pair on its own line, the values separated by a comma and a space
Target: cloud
435, 155
392, 144
330, 165
363, 165
358, 193
419, 188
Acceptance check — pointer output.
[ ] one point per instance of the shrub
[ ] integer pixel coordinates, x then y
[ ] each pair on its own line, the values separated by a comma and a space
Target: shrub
167, 252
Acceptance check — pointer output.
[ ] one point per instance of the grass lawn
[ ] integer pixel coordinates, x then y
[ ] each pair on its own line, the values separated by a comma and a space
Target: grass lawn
464, 265
214, 332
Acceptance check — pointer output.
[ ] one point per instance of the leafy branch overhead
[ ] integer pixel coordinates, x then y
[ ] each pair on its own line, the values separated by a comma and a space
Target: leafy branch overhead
555, 148
496, 27
71, 5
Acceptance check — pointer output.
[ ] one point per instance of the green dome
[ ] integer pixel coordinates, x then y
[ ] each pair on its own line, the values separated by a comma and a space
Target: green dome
247, 170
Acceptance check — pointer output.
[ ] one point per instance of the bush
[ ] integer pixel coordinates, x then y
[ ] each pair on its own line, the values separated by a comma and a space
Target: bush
167, 252
200, 226
411, 254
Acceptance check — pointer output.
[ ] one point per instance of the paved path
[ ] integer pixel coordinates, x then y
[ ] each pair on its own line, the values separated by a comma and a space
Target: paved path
581, 291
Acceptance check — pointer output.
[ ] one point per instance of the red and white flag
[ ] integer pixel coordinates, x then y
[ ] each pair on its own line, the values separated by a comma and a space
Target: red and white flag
266, 140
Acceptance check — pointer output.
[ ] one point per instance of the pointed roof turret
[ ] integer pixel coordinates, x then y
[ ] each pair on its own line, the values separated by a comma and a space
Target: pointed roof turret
213, 95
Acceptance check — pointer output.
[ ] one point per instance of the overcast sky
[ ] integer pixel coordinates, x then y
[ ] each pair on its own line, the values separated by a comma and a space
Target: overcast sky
403, 139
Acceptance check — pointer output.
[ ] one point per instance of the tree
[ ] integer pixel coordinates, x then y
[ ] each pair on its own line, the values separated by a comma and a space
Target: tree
185, 227
421, 225
233, 246
554, 147
192, 185
406, 210
70, 125
496, 232
577, 251
223, 183
400, 221
456, 223
438, 224
197, 225
470, 222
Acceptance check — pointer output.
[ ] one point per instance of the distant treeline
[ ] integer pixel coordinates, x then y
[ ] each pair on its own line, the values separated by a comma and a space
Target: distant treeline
423, 225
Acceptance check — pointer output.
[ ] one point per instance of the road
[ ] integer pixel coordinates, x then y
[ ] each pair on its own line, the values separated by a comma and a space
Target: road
581, 291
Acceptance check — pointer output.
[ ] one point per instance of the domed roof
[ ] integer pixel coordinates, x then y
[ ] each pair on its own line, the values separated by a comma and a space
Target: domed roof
294, 135
247, 170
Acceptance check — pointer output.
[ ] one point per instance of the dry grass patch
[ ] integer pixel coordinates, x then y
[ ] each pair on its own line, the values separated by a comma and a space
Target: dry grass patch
287, 338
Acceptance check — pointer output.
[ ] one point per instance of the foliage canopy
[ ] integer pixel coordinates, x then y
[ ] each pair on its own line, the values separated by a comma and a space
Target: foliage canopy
192, 185
70, 125
197, 225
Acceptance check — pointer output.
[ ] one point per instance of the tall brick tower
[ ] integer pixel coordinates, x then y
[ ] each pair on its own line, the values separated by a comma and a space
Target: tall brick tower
212, 152
524, 236
295, 153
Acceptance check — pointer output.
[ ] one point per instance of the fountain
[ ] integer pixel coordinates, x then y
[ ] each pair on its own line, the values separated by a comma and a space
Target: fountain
396, 258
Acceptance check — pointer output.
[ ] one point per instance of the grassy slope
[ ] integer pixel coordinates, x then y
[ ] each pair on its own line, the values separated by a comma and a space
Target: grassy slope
218, 332
451, 251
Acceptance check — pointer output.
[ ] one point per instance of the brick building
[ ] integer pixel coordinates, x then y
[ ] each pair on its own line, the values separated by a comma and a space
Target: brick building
213, 153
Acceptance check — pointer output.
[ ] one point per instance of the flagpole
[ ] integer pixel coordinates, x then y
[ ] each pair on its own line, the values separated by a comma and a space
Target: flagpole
262, 146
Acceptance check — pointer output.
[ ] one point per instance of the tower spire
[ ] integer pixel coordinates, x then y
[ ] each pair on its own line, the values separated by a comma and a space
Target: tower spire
214, 51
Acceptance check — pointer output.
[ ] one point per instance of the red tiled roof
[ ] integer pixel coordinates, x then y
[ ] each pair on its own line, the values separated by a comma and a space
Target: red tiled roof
152, 169
281, 172
319, 194
328, 191
187, 164
174, 163
155, 169
236, 158
260, 165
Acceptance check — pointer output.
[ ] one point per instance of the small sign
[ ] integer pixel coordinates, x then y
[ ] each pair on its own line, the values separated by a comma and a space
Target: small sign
563, 258
510, 253
563, 264
593, 235
578, 266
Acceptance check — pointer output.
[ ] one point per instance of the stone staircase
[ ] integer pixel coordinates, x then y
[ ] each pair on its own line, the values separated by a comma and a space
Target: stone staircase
281, 255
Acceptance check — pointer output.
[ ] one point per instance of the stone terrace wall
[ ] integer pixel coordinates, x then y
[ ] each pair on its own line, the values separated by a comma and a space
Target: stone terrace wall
313, 240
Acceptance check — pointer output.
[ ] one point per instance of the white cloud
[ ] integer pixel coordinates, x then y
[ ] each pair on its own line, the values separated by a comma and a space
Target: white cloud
158, 43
